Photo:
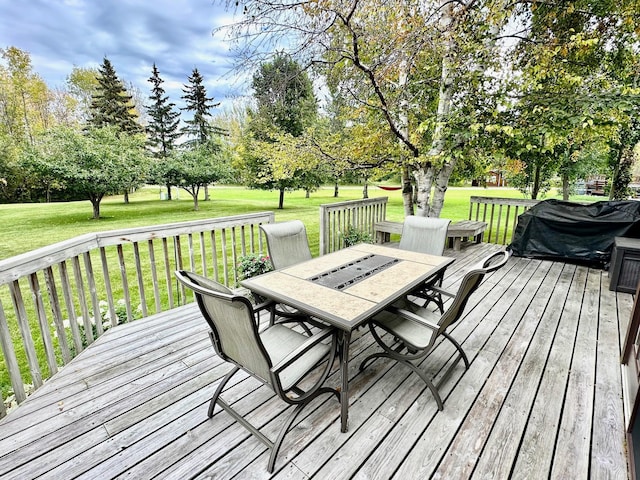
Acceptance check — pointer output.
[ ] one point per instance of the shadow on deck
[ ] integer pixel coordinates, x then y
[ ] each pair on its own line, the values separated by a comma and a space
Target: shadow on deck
542, 398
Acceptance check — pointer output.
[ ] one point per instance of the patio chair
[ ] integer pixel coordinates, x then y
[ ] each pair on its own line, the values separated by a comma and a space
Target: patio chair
426, 235
414, 330
288, 245
278, 356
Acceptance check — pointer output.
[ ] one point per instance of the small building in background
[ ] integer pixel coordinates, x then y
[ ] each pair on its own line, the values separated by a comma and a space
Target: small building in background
494, 178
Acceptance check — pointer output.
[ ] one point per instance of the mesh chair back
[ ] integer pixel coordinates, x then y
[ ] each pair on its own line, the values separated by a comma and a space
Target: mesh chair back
287, 243
470, 283
424, 234
233, 327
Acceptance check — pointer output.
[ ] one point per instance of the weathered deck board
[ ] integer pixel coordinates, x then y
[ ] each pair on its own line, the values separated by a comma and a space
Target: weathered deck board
542, 394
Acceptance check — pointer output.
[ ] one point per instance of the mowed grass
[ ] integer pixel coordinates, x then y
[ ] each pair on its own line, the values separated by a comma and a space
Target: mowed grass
25, 227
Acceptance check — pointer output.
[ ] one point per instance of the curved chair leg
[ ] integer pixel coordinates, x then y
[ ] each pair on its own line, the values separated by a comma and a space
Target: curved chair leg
371, 358
459, 348
289, 421
427, 380
218, 391
415, 369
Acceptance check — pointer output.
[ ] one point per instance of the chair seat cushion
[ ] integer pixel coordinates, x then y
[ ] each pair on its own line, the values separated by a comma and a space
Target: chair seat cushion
409, 331
280, 341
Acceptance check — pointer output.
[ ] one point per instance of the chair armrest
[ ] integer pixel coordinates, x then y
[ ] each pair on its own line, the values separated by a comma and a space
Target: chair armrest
263, 306
442, 291
401, 312
302, 349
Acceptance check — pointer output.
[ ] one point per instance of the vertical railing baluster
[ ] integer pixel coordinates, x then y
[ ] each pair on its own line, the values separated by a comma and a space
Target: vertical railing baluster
214, 255
154, 276
125, 282
203, 253
10, 358
113, 317
168, 272
78, 341
25, 332
93, 293
138, 263
56, 313
82, 301
45, 331
225, 257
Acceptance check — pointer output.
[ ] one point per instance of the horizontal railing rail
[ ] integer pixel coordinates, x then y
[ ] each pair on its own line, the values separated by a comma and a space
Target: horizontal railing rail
56, 300
501, 215
336, 218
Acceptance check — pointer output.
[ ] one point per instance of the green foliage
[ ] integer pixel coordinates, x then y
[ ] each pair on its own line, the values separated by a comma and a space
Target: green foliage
90, 165
353, 236
82, 84
275, 151
111, 104
193, 168
253, 264
284, 95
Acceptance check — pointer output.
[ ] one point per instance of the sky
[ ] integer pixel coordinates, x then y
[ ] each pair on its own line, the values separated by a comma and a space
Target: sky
132, 34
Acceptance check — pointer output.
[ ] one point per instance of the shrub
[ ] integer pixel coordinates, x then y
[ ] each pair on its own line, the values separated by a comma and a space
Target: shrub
253, 264
354, 235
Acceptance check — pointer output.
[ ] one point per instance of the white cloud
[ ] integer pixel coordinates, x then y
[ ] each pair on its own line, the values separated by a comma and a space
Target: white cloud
133, 34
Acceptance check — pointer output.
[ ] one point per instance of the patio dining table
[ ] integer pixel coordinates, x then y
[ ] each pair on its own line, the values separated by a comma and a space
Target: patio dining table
346, 288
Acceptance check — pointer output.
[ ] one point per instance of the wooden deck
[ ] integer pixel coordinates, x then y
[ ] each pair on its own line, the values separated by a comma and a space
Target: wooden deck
542, 398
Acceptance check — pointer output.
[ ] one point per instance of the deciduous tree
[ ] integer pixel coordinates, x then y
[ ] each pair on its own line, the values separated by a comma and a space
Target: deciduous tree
91, 164
197, 167
285, 107
421, 66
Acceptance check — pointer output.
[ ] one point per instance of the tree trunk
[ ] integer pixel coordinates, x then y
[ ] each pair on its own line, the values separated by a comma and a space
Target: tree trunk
616, 173
126, 196
281, 199
95, 203
335, 189
206, 193
168, 191
425, 174
407, 190
535, 189
565, 187
442, 181
365, 190
306, 194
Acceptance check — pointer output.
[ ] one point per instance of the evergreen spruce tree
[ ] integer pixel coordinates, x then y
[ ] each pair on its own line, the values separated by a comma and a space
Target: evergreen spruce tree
111, 104
196, 100
162, 130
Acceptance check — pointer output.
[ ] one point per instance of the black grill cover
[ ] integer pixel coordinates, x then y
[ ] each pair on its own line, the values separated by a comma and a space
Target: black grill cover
573, 232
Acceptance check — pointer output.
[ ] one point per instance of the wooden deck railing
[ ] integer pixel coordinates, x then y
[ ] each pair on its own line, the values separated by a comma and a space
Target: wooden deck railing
501, 214
336, 218
56, 300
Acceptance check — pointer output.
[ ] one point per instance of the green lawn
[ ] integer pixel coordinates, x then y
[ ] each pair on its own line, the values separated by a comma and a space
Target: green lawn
25, 227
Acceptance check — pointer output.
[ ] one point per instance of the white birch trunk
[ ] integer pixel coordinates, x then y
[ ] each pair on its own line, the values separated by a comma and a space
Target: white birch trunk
426, 173
407, 189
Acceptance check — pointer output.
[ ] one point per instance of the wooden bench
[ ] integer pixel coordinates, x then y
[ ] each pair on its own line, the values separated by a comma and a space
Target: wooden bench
458, 231
464, 230
383, 230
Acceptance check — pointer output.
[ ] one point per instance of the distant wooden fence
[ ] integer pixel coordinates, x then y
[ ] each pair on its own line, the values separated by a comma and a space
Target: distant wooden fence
336, 218
58, 297
501, 215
